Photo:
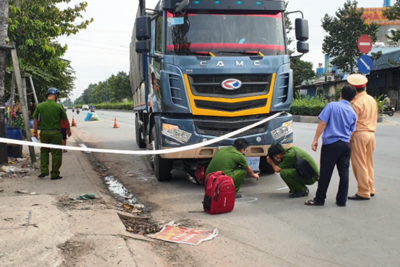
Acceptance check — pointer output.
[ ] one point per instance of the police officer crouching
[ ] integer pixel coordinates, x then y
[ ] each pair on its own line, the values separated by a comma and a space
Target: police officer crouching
49, 114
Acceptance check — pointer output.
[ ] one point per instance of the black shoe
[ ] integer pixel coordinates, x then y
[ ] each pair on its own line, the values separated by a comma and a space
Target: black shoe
372, 195
357, 197
42, 175
239, 196
340, 205
299, 194
56, 178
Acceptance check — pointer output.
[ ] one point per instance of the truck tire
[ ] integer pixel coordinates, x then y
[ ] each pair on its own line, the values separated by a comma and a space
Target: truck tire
265, 168
138, 130
162, 167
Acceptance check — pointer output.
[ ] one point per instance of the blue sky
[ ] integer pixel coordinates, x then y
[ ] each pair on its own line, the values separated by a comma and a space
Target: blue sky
103, 48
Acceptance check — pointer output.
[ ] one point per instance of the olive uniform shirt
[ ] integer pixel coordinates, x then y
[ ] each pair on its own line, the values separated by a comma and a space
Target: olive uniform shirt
227, 159
290, 159
49, 114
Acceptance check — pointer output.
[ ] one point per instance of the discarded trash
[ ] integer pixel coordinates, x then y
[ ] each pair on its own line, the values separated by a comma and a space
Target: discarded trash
184, 235
11, 162
83, 145
21, 159
1, 190
22, 192
8, 219
6, 169
86, 196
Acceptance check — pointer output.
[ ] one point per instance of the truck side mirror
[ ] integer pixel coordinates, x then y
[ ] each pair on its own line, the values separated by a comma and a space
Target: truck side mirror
143, 28
303, 47
181, 6
301, 26
142, 46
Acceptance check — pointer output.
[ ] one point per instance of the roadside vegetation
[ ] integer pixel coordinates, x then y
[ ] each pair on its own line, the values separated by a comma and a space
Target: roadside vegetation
312, 106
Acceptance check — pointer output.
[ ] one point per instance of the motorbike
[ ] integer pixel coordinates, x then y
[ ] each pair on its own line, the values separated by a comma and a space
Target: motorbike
387, 109
77, 111
73, 110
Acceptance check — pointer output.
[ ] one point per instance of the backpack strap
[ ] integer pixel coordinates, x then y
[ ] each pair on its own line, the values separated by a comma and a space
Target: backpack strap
297, 155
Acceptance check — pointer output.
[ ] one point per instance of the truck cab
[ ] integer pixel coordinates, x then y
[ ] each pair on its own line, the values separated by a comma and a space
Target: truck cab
202, 69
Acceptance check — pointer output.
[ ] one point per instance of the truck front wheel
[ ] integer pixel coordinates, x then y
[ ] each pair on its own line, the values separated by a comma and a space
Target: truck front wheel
139, 134
162, 167
265, 167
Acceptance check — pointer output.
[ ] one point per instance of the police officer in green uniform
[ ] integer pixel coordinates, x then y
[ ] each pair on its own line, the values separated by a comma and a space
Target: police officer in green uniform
232, 162
49, 114
282, 161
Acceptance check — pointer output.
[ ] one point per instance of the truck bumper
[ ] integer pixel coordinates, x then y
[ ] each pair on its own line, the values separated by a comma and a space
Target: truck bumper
259, 139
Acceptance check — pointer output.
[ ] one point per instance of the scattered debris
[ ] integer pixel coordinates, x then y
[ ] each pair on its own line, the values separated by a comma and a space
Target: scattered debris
183, 235
1, 190
21, 159
86, 196
7, 169
9, 219
26, 192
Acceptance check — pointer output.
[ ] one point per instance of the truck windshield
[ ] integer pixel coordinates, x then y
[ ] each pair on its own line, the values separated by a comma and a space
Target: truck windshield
225, 34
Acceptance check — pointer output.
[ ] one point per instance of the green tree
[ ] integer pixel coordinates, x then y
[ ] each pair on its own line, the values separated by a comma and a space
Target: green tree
34, 26
302, 70
343, 31
393, 13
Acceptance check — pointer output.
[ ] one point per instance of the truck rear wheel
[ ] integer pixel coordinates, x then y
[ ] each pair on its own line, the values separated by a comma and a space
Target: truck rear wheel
139, 134
265, 167
162, 167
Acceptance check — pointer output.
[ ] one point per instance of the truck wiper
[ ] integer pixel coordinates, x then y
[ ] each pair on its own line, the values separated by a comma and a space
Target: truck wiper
204, 53
243, 52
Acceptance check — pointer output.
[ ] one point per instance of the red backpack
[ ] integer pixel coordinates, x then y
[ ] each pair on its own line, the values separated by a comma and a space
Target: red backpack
220, 193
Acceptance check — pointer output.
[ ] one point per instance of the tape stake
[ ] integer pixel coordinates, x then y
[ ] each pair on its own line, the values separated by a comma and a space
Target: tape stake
142, 152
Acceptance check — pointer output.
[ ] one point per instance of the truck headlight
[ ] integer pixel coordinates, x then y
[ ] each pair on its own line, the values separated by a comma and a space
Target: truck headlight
283, 130
175, 133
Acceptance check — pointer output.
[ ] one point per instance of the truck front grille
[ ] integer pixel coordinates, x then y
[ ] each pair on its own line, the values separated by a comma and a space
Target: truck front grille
228, 125
210, 85
230, 107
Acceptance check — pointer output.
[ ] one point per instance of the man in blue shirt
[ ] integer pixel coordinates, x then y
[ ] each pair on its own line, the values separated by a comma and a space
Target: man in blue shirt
338, 122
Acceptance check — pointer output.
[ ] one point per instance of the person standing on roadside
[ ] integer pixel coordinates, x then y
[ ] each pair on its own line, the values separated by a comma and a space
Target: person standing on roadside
49, 114
338, 122
363, 140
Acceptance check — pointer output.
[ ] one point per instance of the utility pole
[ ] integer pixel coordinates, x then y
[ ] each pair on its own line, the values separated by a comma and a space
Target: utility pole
105, 76
3, 57
21, 85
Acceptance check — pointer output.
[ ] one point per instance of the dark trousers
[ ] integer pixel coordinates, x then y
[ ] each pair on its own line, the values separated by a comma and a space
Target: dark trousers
337, 154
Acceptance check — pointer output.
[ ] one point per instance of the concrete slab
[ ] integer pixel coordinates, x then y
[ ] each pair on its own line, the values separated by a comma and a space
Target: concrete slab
37, 242
96, 222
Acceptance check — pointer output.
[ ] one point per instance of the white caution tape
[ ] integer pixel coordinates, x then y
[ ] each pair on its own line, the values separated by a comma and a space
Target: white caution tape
142, 152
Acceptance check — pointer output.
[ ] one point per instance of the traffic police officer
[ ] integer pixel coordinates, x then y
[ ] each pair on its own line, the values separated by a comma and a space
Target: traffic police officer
363, 140
49, 114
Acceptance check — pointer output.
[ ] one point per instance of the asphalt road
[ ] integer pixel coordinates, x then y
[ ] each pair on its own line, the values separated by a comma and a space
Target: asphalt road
267, 228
